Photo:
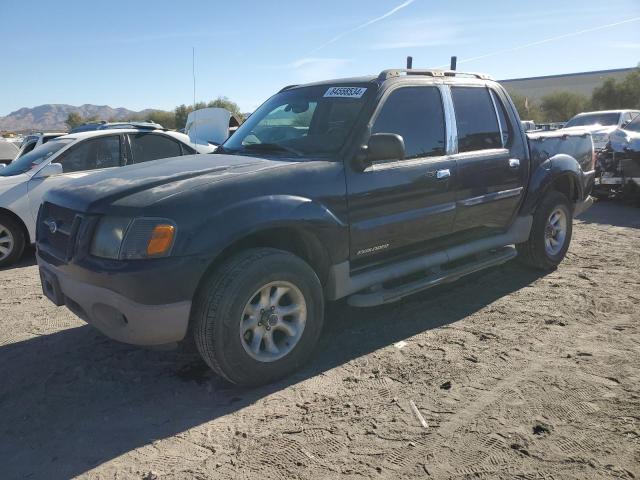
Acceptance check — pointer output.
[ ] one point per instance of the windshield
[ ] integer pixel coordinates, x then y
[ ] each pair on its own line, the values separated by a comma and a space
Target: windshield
34, 158
304, 121
604, 119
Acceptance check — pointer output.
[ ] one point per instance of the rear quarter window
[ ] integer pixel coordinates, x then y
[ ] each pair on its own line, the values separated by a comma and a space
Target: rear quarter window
152, 146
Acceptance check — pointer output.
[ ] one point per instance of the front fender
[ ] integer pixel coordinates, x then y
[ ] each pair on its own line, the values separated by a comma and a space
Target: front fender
232, 223
547, 173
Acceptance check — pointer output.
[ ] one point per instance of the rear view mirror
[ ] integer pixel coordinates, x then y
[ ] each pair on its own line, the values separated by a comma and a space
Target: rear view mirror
381, 146
49, 170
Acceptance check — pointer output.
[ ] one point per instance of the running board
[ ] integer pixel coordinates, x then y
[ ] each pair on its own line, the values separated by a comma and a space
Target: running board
379, 295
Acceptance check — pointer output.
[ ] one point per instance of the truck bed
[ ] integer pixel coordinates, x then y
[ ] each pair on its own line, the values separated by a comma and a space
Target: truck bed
577, 144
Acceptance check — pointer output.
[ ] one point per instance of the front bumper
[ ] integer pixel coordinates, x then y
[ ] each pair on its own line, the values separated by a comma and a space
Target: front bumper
112, 313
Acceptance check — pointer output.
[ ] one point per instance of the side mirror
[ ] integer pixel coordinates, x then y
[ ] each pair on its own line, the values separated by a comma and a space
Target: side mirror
381, 146
49, 170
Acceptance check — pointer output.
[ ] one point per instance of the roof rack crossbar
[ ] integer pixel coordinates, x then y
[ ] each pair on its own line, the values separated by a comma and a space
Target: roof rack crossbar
396, 72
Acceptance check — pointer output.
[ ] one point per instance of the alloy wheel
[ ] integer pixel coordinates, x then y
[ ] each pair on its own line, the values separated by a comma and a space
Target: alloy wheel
272, 321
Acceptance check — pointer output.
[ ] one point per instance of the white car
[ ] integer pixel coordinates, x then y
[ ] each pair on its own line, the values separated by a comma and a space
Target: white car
34, 141
602, 124
25, 180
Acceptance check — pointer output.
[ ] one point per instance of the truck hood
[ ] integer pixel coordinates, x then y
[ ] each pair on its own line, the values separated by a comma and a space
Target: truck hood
146, 183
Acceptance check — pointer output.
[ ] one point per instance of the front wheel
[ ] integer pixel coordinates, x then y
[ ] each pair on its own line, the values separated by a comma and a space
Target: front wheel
550, 233
12, 241
258, 317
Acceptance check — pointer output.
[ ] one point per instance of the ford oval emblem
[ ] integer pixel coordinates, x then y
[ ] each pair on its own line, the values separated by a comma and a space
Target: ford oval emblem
51, 223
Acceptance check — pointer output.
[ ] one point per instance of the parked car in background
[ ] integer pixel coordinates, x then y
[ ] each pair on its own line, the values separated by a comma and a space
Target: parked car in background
548, 127
602, 123
618, 167
369, 189
25, 180
8, 151
33, 141
91, 126
528, 125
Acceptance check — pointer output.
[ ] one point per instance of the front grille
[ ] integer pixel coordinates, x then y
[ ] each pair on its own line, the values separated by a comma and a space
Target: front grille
56, 230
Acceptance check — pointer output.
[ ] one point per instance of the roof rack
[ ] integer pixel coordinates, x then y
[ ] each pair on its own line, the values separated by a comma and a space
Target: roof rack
288, 87
396, 72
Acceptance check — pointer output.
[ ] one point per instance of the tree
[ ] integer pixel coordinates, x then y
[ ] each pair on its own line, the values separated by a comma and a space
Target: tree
613, 94
224, 102
562, 105
527, 109
180, 114
166, 119
73, 120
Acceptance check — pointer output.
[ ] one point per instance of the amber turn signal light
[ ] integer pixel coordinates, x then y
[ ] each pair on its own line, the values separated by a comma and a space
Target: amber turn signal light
161, 240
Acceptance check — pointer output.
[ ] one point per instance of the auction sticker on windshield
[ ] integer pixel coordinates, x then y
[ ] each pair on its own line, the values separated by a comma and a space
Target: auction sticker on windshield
345, 92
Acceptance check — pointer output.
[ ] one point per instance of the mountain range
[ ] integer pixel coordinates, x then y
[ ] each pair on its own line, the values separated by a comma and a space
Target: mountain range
52, 116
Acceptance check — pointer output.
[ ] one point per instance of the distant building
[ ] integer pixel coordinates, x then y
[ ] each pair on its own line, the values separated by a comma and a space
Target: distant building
535, 88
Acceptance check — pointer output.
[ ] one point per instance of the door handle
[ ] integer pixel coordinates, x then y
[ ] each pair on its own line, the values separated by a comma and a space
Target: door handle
514, 163
443, 173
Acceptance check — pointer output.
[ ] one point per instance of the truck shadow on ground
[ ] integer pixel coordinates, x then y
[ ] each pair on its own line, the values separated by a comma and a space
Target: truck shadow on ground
73, 400
612, 212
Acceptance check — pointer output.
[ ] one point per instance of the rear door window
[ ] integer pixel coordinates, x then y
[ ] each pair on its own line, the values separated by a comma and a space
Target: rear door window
417, 115
152, 146
476, 119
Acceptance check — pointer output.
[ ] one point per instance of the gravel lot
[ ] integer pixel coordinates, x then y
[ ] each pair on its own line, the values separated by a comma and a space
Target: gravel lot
516, 375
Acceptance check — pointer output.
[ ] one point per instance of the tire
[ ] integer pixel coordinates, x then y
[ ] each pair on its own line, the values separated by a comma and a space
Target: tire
536, 252
12, 241
231, 299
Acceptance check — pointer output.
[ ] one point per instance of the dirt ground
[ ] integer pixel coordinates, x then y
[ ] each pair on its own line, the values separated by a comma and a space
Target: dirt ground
516, 375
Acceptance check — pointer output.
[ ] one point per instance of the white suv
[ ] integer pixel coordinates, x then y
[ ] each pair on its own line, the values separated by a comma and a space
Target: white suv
25, 180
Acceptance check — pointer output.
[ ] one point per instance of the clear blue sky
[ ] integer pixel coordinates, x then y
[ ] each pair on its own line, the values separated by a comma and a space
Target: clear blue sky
138, 54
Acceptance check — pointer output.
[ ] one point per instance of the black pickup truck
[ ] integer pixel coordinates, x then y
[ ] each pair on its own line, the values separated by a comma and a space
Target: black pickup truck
369, 188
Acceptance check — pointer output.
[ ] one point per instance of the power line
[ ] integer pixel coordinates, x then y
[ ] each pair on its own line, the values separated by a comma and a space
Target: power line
546, 40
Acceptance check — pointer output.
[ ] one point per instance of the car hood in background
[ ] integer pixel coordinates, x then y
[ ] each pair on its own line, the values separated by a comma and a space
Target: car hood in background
146, 183
622, 140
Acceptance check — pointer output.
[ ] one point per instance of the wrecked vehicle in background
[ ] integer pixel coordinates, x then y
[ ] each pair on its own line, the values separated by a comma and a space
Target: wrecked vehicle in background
618, 165
601, 124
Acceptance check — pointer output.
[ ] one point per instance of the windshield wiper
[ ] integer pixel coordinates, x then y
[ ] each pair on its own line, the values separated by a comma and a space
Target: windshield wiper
271, 147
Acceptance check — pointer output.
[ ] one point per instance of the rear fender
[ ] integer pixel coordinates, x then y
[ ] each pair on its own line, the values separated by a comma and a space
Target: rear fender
546, 174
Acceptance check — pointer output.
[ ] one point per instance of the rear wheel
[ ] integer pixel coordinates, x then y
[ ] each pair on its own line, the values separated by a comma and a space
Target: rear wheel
259, 316
12, 241
550, 233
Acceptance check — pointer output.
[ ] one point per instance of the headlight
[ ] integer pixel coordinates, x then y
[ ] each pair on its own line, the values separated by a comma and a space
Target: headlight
125, 238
